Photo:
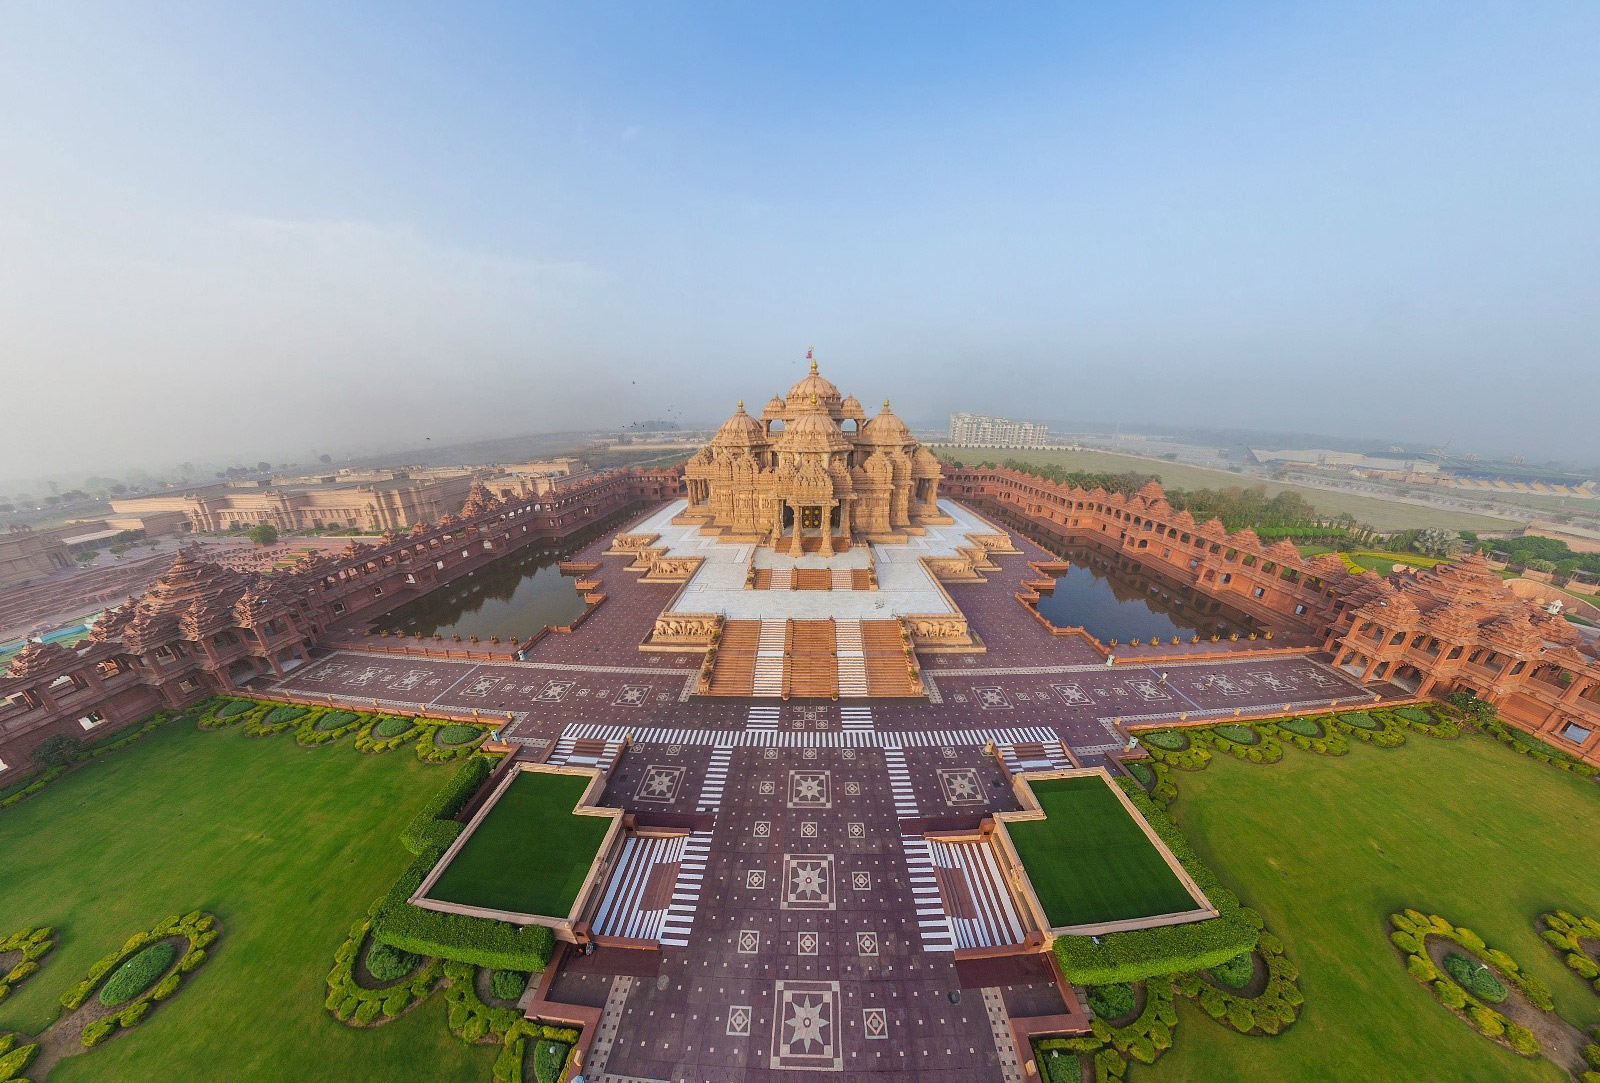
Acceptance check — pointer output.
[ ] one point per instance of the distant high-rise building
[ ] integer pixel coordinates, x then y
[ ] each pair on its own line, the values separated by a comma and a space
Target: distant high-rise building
977, 430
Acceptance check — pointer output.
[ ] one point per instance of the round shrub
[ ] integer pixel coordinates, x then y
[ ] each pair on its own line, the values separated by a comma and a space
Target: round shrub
387, 964
334, 720
137, 974
508, 984
1475, 978
1239, 735
1301, 726
391, 727
1111, 1001
451, 736
1170, 740
1236, 972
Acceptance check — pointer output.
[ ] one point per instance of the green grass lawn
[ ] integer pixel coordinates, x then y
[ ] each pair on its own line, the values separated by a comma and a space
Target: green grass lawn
530, 854
1376, 512
1089, 861
286, 845
1327, 848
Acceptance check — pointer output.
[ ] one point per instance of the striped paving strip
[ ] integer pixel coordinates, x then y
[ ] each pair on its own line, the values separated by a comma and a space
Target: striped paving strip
852, 661
716, 779
856, 719
932, 923
619, 913
565, 753
656, 735
762, 718
686, 892
994, 1005
768, 679
1050, 760
610, 1019
905, 798
1253, 710
995, 922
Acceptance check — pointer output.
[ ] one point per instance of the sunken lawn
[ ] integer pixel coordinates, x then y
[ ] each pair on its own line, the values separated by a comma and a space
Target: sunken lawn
1327, 847
529, 854
1091, 862
287, 845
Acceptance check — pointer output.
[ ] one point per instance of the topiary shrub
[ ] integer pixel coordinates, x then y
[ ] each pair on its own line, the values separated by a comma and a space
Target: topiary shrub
1239, 735
450, 736
336, 720
1475, 978
1360, 720
1167, 740
507, 984
1236, 972
548, 1059
387, 964
1304, 727
1142, 774
1111, 1001
386, 728
138, 973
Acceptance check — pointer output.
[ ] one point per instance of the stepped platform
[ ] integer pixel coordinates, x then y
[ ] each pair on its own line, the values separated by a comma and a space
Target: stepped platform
812, 659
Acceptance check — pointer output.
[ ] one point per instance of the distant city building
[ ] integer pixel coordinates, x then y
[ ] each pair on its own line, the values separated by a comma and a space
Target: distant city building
979, 430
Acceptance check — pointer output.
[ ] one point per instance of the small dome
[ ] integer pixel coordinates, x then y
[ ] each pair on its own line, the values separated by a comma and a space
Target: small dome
814, 431
741, 429
773, 408
851, 407
813, 385
886, 428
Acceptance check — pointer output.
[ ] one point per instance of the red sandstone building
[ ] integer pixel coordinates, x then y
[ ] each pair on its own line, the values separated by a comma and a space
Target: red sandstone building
203, 629
1433, 632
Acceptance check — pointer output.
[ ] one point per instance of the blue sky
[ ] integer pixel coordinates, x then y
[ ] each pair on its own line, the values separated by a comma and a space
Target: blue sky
340, 224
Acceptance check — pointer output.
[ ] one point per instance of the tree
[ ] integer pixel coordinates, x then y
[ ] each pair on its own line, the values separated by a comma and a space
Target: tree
325, 458
264, 534
57, 750
263, 466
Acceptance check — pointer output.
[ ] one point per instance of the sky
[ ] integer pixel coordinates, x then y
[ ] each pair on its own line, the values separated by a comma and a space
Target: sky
234, 231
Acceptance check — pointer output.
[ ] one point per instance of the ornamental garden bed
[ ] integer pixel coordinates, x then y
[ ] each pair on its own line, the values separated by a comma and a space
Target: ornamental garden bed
1301, 727
1238, 734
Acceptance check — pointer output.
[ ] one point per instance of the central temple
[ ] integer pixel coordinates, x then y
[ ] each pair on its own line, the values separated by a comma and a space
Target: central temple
813, 474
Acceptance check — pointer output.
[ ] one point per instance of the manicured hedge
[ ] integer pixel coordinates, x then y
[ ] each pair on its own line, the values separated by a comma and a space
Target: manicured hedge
1527, 745
1276, 1007
1241, 735
1167, 740
1475, 978
1109, 1049
1412, 929
387, 964
508, 984
1166, 949
34, 945
336, 720
387, 734
548, 1059
14, 1059
480, 941
433, 824
138, 973
1566, 932
439, 742
355, 1004
1236, 972
1303, 727
1142, 773
198, 930
1111, 1001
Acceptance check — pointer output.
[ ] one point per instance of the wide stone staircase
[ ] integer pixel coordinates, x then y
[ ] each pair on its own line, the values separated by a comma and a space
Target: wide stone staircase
812, 659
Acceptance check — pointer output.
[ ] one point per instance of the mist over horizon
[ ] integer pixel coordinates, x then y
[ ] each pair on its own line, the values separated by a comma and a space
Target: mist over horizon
232, 235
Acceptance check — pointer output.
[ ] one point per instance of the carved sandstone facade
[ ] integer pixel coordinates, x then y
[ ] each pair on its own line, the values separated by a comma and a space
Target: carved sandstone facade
1452, 628
800, 473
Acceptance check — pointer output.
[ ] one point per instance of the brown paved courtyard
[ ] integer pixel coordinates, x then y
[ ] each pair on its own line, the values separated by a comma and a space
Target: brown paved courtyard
802, 948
